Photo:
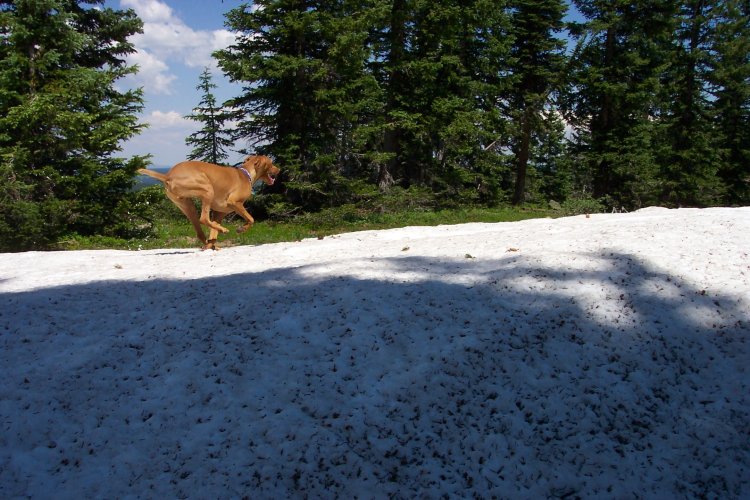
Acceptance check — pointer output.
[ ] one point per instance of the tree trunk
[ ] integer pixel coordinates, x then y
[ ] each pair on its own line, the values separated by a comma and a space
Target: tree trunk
392, 136
522, 156
603, 170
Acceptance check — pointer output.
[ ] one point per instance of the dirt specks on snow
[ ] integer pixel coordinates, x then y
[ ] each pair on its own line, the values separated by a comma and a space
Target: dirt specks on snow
608, 358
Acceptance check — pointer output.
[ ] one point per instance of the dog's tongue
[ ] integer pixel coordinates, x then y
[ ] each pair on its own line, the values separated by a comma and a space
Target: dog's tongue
273, 179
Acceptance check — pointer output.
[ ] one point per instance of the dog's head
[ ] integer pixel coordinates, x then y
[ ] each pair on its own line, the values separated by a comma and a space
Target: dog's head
263, 167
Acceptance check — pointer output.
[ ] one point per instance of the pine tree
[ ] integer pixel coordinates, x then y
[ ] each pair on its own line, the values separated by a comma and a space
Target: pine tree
468, 43
438, 66
551, 172
730, 87
616, 93
62, 120
690, 154
537, 69
390, 49
401, 91
211, 142
307, 90
272, 58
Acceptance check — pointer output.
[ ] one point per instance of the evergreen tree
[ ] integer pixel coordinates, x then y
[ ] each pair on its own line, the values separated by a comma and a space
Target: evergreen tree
615, 95
399, 91
463, 50
730, 86
537, 69
62, 120
307, 91
211, 142
441, 77
690, 154
390, 48
551, 173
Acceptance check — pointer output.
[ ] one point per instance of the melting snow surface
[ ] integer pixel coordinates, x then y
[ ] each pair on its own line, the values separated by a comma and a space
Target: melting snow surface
601, 356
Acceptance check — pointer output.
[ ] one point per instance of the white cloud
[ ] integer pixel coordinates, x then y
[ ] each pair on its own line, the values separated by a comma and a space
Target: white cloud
167, 39
150, 10
153, 73
168, 119
221, 39
165, 138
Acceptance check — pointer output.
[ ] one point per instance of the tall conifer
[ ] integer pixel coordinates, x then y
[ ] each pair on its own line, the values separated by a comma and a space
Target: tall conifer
730, 87
211, 142
62, 120
690, 153
537, 56
306, 89
615, 94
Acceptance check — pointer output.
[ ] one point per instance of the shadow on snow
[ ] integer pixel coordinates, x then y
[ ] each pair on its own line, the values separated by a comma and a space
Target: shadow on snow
485, 377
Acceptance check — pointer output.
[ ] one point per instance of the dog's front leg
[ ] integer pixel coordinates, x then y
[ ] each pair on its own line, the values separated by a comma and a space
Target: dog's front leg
245, 227
240, 209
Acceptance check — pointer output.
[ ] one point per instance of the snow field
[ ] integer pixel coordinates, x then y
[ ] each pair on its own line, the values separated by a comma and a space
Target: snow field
591, 357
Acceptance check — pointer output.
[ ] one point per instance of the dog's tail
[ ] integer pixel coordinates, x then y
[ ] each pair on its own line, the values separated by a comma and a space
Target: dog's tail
151, 173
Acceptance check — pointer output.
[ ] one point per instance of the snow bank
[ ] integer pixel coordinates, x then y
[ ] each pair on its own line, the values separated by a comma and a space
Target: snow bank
594, 357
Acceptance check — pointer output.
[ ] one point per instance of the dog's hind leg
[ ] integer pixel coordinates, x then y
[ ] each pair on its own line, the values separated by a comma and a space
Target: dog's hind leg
188, 208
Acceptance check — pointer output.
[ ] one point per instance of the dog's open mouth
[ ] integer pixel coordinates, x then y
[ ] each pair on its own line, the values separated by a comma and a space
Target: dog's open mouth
271, 179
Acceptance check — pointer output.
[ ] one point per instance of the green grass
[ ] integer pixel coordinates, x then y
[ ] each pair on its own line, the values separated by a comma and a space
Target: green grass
174, 231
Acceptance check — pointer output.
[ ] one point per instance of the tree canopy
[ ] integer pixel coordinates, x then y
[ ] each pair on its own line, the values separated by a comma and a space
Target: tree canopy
472, 99
62, 120
211, 142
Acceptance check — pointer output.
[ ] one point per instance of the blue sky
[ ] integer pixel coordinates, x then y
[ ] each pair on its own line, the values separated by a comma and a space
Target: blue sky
176, 45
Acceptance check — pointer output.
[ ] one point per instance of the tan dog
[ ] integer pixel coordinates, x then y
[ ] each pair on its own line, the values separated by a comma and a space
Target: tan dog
221, 189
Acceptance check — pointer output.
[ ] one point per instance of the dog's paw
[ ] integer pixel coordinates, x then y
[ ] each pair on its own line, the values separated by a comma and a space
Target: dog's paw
210, 245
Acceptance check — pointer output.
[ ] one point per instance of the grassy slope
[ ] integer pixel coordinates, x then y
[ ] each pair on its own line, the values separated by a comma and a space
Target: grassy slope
174, 231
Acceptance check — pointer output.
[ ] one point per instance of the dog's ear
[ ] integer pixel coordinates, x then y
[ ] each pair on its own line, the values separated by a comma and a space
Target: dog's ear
251, 162
266, 163
259, 164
